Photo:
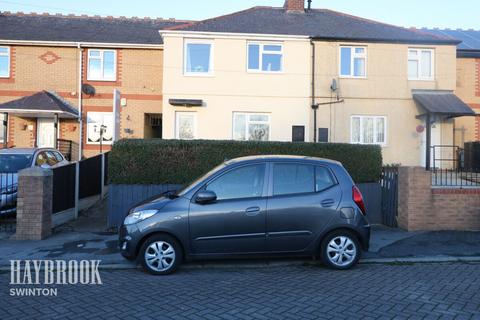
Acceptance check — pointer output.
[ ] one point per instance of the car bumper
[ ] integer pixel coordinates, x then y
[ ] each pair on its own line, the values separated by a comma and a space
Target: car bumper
128, 240
364, 233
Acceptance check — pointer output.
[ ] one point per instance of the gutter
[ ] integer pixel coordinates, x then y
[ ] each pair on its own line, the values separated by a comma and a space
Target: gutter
392, 41
230, 35
84, 44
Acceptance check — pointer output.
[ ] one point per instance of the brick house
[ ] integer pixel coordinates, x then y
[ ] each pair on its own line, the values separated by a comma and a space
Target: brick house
468, 81
81, 61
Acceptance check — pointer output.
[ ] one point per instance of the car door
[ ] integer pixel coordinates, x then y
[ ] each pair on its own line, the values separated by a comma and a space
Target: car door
235, 222
302, 199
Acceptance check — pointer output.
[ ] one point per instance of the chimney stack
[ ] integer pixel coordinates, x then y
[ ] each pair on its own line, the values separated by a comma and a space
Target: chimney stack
294, 5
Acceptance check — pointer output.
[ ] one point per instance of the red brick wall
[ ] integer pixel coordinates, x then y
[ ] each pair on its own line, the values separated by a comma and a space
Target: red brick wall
295, 5
422, 207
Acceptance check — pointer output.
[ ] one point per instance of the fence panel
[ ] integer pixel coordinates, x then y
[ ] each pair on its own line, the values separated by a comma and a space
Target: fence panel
90, 177
8, 201
64, 188
389, 184
372, 195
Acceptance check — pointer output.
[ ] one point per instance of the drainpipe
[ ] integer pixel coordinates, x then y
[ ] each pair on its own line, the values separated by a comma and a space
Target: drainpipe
428, 142
313, 105
55, 126
80, 119
5, 130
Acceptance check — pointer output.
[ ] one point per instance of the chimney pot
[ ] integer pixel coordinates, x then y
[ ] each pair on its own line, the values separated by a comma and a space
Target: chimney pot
294, 5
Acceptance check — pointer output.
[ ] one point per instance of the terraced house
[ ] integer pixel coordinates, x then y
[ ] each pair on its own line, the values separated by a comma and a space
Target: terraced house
75, 80
301, 74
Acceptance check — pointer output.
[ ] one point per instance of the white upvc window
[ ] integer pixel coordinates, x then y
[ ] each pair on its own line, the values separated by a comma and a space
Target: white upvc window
185, 125
264, 57
251, 126
421, 64
368, 130
102, 65
353, 62
4, 62
198, 57
100, 127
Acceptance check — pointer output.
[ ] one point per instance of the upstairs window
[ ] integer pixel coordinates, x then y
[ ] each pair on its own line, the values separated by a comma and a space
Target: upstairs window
102, 65
198, 57
265, 57
420, 64
4, 62
353, 62
369, 130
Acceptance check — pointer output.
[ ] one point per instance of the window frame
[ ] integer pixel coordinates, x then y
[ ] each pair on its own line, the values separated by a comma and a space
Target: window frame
177, 127
9, 56
88, 128
102, 64
265, 187
210, 72
247, 122
314, 165
375, 117
2, 119
353, 55
261, 51
419, 60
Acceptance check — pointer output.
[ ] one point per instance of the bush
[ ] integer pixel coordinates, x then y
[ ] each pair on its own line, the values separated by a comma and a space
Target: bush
178, 161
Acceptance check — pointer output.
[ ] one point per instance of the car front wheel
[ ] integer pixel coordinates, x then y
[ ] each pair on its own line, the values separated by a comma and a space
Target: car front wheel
161, 255
340, 250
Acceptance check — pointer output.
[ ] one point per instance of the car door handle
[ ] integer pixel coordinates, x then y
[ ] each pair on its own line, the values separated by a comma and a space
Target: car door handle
252, 211
327, 203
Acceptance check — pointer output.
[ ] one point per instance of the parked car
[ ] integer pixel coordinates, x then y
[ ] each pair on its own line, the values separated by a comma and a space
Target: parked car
15, 159
252, 206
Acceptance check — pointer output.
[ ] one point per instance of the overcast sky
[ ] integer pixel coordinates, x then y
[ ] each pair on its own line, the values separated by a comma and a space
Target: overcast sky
419, 13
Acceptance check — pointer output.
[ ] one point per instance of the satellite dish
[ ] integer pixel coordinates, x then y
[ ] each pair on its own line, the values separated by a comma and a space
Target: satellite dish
334, 86
88, 89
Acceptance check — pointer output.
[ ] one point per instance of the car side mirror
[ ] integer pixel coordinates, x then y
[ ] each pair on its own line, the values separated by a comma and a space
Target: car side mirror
205, 197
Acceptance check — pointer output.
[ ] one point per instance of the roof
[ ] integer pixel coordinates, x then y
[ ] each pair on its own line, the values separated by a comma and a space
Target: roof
71, 28
470, 45
442, 102
315, 23
40, 102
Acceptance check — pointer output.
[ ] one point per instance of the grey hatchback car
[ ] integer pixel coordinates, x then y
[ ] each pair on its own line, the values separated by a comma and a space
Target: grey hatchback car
252, 206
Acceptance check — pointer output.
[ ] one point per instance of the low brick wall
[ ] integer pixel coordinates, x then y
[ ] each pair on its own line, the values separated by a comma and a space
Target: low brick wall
421, 207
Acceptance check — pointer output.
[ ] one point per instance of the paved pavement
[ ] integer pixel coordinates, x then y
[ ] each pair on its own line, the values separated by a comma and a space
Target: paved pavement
425, 291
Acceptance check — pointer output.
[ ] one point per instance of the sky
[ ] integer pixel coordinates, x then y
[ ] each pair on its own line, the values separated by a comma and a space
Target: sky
407, 13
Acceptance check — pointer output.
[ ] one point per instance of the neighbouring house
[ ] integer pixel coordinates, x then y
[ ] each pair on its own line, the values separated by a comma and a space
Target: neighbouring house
301, 74
468, 81
70, 80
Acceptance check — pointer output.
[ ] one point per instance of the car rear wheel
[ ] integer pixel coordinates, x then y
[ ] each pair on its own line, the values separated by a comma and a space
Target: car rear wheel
340, 250
161, 255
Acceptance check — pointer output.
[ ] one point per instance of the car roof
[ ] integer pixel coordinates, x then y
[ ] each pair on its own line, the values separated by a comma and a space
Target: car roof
279, 158
23, 150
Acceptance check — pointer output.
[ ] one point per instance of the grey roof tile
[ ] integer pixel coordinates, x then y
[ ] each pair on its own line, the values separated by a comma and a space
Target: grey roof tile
316, 23
44, 27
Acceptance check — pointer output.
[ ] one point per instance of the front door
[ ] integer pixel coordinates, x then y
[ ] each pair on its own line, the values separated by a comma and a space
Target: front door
45, 133
435, 141
304, 198
235, 223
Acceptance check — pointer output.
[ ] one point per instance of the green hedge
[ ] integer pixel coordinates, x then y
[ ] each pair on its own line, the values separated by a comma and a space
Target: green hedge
178, 162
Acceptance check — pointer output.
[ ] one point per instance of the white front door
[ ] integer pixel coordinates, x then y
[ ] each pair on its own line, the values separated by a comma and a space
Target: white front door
45, 133
434, 141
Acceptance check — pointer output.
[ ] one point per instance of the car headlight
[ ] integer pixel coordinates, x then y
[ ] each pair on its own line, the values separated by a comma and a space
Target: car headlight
138, 216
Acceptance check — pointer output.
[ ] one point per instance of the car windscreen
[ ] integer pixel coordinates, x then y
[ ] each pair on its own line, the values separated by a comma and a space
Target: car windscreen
12, 163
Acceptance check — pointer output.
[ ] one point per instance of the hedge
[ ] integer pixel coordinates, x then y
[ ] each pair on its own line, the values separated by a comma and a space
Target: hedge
158, 161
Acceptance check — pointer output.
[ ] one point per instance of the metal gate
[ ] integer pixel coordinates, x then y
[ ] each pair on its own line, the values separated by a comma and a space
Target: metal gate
8, 201
389, 184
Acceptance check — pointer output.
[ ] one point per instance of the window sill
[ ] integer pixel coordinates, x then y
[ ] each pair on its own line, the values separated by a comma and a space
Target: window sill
420, 79
199, 74
265, 72
353, 77
102, 80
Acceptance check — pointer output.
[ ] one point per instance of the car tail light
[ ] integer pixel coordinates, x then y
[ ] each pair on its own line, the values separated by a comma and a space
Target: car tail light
358, 199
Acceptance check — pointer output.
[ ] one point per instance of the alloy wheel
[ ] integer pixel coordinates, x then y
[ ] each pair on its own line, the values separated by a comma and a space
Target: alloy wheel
341, 251
160, 256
